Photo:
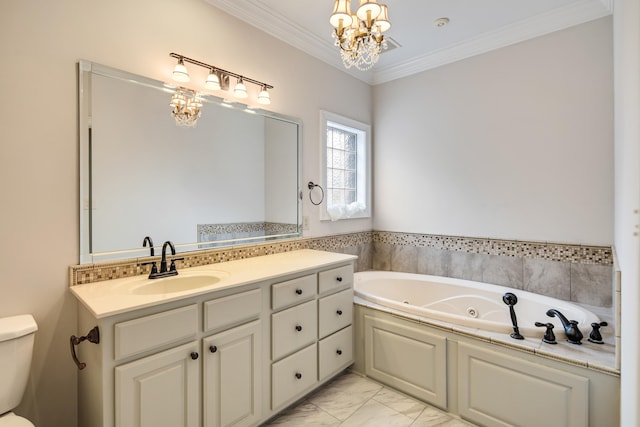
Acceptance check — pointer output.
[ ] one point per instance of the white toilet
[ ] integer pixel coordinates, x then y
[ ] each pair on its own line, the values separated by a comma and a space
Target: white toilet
16, 346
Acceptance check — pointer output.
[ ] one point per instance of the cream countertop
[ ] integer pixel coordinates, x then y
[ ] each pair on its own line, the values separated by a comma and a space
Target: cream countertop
112, 297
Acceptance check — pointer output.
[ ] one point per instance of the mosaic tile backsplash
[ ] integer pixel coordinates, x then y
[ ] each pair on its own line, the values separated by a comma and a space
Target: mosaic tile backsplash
570, 272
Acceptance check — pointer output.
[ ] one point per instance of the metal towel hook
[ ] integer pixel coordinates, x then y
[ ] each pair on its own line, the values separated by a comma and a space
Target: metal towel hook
93, 337
311, 185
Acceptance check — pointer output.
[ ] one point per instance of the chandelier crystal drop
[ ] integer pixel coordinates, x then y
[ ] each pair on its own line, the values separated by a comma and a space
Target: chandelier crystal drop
360, 36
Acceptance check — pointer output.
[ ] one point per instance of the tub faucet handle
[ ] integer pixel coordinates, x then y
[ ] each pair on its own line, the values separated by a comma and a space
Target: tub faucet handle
549, 337
595, 336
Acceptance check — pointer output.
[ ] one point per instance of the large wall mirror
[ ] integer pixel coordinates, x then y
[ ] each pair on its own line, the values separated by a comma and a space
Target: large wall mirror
234, 178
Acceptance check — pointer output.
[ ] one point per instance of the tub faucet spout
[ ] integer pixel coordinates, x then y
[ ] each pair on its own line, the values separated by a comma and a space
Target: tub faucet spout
574, 335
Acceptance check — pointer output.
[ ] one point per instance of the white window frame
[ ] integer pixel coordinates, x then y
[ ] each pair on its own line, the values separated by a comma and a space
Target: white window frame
363, 132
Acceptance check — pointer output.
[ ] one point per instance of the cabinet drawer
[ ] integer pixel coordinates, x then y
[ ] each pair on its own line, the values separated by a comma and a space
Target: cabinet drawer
335, 352
293, 291
335, 312
335, 278
293, 329
150, 332
232, 310
293, 375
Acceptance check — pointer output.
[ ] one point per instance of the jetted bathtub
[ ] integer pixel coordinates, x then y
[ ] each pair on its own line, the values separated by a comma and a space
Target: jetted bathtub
467, 303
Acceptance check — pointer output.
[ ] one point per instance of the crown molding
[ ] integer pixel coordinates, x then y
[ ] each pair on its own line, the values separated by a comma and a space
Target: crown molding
257, 14
539, 25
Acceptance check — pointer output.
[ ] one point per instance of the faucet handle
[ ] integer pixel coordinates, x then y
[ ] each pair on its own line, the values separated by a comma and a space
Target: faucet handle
172, 267
595, 336
549, 337
154, 267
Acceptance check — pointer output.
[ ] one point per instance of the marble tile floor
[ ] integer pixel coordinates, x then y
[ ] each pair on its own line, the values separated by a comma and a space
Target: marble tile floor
350, 400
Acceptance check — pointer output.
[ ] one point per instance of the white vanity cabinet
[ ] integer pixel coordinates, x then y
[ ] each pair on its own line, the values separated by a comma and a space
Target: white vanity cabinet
230, 356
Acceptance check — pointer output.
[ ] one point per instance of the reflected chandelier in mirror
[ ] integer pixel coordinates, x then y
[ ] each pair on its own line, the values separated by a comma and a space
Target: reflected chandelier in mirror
232, 179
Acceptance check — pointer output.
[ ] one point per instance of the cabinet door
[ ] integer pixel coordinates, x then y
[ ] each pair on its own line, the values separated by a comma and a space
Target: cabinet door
496, 389
161, 390
232, 388
405, 356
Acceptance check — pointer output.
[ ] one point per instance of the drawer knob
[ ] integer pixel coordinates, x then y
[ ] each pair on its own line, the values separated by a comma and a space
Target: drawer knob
339, 352
298, 375
339, 278
213, 349
298, 328
194, 355
339, 312
299, 291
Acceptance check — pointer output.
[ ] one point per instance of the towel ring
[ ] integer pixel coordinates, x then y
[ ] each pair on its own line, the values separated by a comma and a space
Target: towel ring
311, 186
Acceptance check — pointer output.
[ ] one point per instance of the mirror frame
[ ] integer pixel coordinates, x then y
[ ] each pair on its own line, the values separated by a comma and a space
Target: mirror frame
85, 69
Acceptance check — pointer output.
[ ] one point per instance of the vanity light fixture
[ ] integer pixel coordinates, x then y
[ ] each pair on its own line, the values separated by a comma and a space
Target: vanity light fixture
218, 78
359, 36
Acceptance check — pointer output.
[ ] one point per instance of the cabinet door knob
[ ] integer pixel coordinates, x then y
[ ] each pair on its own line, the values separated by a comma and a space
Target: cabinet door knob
299, 291
298, 375
194, 355
339, 352
339, 312
213, 349
339, 278
298, 328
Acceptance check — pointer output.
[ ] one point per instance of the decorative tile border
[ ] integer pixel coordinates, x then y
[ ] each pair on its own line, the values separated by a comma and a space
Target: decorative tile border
580, 254
602, 255
89, 273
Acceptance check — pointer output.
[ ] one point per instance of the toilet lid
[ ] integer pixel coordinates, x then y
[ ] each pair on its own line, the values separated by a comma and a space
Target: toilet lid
12, 420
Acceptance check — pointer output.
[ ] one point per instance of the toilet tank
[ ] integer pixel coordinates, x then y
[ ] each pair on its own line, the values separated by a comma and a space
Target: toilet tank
16, 348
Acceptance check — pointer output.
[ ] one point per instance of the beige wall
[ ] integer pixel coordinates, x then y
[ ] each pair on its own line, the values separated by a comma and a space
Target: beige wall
41, 42
513, 144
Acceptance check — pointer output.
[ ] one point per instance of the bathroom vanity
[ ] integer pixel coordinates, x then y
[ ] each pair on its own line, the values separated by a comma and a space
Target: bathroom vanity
226, 344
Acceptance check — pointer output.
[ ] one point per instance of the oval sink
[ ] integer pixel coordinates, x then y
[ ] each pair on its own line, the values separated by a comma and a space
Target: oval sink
179, 283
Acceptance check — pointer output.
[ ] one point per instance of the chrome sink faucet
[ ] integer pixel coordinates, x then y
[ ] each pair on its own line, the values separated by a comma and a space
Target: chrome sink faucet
574, 335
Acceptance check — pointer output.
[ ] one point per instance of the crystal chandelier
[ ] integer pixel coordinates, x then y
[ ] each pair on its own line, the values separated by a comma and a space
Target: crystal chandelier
186, 107
359, 35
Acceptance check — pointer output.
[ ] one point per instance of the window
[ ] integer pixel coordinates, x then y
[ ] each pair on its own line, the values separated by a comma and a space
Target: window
346, 146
